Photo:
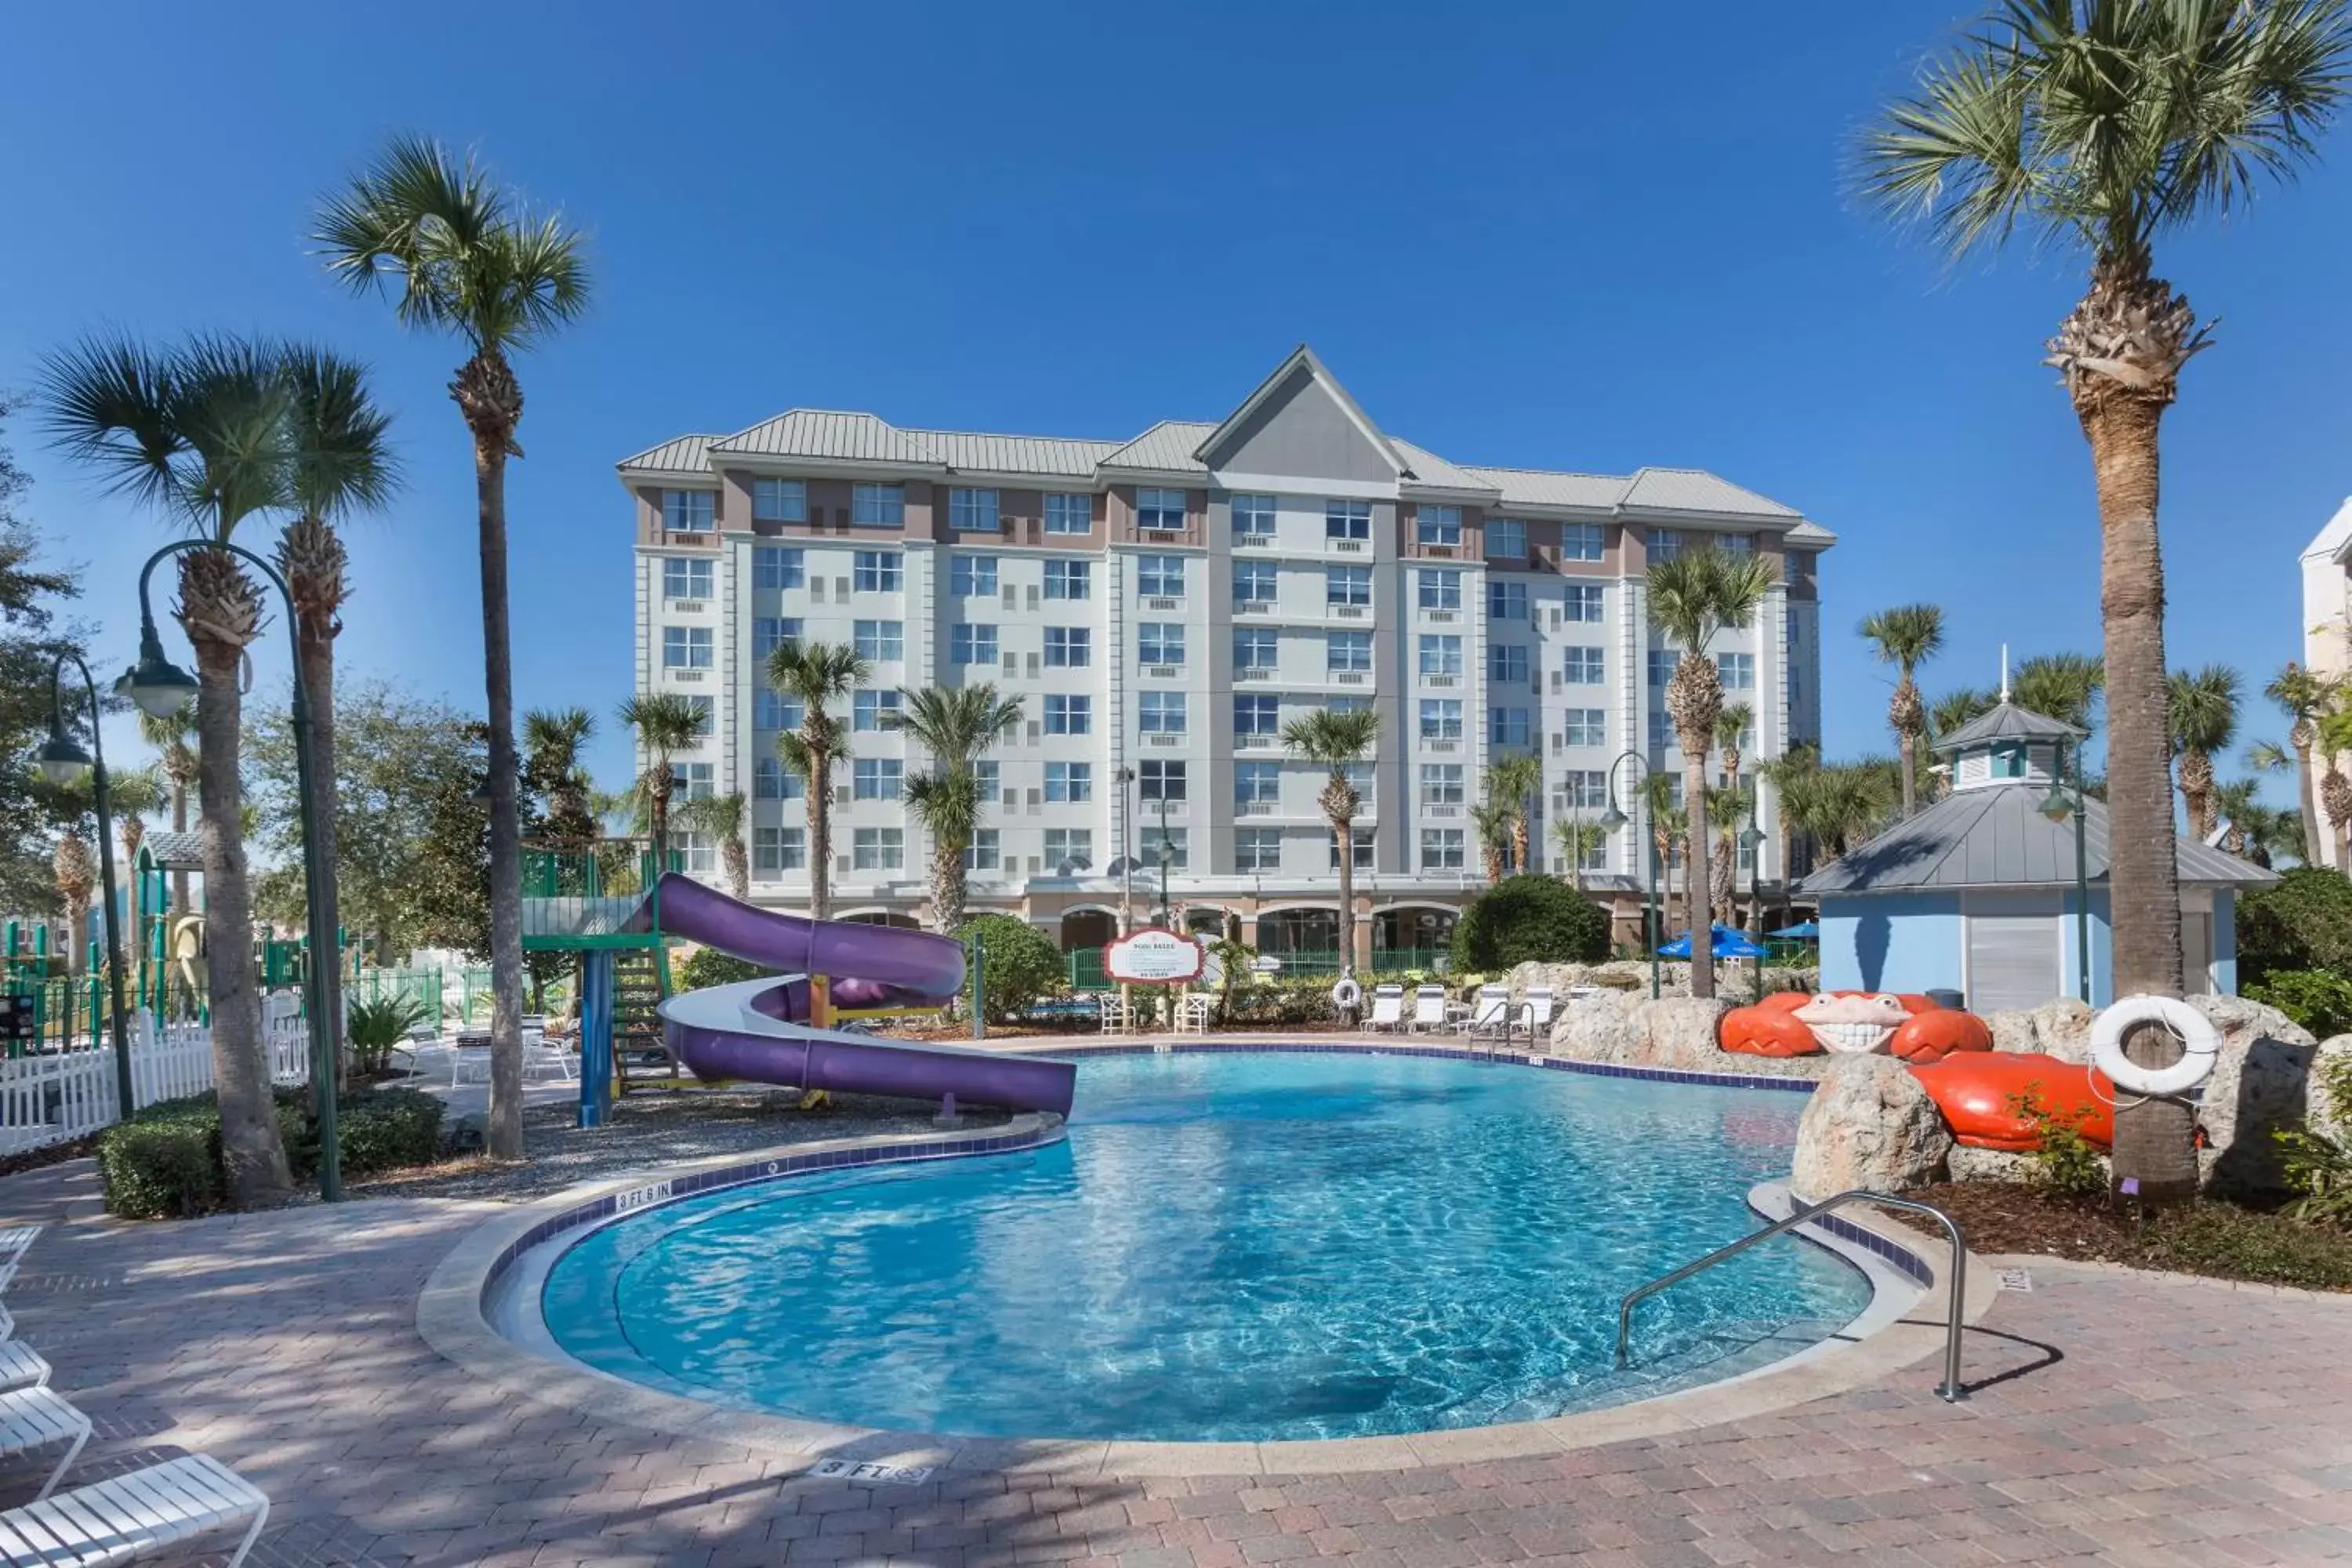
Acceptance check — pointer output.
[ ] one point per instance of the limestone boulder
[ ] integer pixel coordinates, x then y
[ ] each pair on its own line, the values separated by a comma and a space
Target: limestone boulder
1871, 1125
2012, 1030
2262, 1080
1603, 1029
2062, 1028
1684, 1034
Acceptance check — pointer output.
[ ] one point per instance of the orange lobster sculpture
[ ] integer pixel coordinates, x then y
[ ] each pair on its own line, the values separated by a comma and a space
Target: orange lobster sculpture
2002, 1100
1914, 1029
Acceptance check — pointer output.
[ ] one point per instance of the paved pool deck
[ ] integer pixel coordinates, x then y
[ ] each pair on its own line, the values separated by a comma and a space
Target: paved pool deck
2116, 1417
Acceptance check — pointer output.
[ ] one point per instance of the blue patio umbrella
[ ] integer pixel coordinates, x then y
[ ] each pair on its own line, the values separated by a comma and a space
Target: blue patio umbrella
1725, 943
1804, 931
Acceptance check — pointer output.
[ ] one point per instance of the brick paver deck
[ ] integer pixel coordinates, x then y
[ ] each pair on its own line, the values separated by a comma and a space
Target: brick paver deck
2127, 1419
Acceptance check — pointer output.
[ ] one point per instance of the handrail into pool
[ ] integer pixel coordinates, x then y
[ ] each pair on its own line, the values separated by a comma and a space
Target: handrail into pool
1951, 1391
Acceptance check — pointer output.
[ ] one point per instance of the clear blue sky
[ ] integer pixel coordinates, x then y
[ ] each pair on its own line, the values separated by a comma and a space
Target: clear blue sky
1557, 237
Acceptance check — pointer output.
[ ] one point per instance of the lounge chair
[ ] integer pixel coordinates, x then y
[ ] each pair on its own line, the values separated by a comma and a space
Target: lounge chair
1535, 1013
34, 1418
130, 1516
1491, 1013
1388, 1009
21, 1367
1429, 1008
14, 1241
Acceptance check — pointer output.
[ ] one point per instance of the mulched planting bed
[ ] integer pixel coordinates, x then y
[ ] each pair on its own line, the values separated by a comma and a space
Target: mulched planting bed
2217, 1239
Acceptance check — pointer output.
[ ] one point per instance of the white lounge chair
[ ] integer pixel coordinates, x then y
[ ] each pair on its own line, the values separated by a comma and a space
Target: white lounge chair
129, 1516
1429, 1008
14, 1241
1490, 1013
21, 1367
34, 1418
1535, 1013
1388, 1009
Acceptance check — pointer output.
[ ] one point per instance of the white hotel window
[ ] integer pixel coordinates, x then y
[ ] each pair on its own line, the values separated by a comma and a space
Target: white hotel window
780, 849
1585, 726
694, 851
1258, 783
1508, 728
972, 576
1584, 666
1507, 539
1507, 601
1441, 783
706, 711
1363, 848
1160, 576
1438, 525
1069, 580
972, 511
1346, 519
1071, 846
1252, 515
770, 780
1440, 849
983, 855
1441, 655
1180, 847
770, 633
1440, 588
685, 647
1580, 541
1256, 647
1161, 713
1347, 585
877, 778
1160, 642
1347, 652
696, 781
1507, 663
879, 849
880, 572
774, 566
1441, 718
871, 710
972, 645
1069, 715
1257, 716
881, 642
1158, 781
686, 512
1587, 789
1257, 849
1666, 544
1070, 783
773, 710
1581, 602
779, 500
1735, 671
686, 579
1661, 667
877, 506
1069, 514
1160, 509
1069, 648
1253, 584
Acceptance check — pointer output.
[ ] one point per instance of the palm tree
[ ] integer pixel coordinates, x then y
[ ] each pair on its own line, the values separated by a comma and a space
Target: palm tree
342, 463
1727, 807
2334, 790
721, 816
200, 433
1511, 779
1955, 709
2304, 696
1491, 821
170, 735
76, 869
2202, 709
2104, 124
132, 797
667, 724
552, 740
1907, 636
1337, 741
819, 675
1575, 838
1692, 597
1669, 831
2067, 686
461, 256
957, 726
1791, 775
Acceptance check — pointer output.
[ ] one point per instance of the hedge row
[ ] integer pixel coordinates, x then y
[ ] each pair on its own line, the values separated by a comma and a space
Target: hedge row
165, 1161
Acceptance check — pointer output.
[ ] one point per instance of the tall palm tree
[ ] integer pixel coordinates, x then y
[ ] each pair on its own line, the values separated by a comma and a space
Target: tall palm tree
1693, 598
552, 740
665, 724
133, 796
342, 464
2202, 709
2334, 738
1791, 775
459, 254
1576, 838
1955, 709
200, 433
722, 817
1337, 741
2303, 695
957, 726
1669, 833
1512, 780
1907, 636
820, 675
2066, 687
173, 736
76, 870
1491, 821
2105, 124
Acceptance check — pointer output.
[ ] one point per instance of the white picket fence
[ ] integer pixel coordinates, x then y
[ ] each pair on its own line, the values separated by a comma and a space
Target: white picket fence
56, 1098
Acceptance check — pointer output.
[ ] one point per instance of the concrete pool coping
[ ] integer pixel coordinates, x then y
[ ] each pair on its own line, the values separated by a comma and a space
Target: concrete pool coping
1901, 1326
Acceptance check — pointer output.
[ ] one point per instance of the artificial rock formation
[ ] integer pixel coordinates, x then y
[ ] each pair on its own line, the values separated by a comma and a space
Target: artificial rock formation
1871, 1125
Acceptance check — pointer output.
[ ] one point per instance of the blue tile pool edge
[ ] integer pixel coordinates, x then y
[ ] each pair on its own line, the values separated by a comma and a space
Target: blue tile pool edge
1787, 1083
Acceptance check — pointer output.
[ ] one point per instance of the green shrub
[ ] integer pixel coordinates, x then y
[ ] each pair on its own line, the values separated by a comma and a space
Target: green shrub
388, 1128
1020, 965
2305, 922
2240, 1244
2062, 1161
2318, 1000
1530, 920
2318, 1167
164, 1163
709, 966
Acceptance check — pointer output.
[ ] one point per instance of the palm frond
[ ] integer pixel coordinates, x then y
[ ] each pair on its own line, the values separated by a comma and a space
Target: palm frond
1702, 592
341, 459
2201, 707
1334, 738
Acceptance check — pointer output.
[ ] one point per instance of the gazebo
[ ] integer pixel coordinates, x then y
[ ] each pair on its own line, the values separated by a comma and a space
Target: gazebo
1985, 891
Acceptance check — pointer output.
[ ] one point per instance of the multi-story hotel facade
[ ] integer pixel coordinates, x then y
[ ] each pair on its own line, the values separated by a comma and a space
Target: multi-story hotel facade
1161, 607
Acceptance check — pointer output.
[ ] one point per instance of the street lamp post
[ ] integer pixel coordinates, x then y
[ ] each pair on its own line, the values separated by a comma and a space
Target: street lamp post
1751, 838
1611, 821
62, 760
1167, 861
161, 687
2061, 802
1126, 777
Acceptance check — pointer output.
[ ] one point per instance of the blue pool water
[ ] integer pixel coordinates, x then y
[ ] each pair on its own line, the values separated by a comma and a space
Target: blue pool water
1231, 1246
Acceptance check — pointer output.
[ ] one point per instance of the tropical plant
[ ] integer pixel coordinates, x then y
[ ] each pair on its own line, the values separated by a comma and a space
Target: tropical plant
1575, 838
1731, 739
200, 433
1336, 741
1789, 774
1948, 713
1907, 636
721, 816
2105, 124
1019, 966
665, 724
461, 256
957, 726
377, 1026
1693, 598
1490, 821
132, 796
2303, 695
1669, 833
820, 675
1512, 781
552, 740
1528, 920
173, 736
2201, 707
2305, 922
2067, 686
2334, 738
1728, 808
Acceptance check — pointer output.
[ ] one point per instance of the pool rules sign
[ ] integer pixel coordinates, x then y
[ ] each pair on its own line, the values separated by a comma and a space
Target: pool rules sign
1154, 956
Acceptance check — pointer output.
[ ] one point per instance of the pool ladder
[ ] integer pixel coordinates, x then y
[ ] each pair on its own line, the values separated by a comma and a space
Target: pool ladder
1951, 1390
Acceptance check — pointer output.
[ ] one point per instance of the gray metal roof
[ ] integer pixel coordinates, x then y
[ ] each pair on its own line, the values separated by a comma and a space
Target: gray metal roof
1166, 447
1694, 489
1538, 486
1997, 837
1428, 469
176, 851
822, 433
2006, 721
687, 455
1043, 455
1810, 533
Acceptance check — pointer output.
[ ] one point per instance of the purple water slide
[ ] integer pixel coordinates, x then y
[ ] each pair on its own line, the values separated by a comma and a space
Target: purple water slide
755, 1030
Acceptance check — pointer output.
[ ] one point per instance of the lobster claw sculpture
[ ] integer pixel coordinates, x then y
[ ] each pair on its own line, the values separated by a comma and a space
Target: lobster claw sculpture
1914, 1029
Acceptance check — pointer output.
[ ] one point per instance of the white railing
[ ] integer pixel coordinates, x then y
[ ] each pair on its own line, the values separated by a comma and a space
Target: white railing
56, 1098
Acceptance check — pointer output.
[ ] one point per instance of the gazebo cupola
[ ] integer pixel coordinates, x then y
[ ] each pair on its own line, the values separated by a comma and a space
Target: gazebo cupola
2006, 745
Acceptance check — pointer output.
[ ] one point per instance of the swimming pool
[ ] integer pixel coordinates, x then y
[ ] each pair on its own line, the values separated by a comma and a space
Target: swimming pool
1232, 1246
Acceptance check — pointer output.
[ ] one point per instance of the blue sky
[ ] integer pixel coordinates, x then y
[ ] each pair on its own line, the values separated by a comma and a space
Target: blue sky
1555, 236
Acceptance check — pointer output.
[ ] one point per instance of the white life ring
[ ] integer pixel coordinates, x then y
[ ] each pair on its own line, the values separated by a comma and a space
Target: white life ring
1347, 994
2201, 1045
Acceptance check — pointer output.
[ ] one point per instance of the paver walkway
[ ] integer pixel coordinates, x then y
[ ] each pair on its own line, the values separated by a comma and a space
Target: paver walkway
2133, 1420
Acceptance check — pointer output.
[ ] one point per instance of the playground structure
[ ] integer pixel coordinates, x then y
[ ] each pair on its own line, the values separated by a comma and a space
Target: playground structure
776, 1029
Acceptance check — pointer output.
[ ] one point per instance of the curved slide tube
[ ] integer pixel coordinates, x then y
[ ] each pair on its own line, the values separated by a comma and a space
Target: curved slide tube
753, 1030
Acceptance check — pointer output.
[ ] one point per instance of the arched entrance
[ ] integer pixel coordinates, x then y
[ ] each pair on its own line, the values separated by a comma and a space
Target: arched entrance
1085, 929
1208, 921
1411, 936
1309, 935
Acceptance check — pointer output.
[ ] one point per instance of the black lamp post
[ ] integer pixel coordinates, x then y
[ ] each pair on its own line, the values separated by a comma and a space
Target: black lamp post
1125, 780
2060, 803
62, 760
1611, 821
1751, 838
161, 689
1167, 861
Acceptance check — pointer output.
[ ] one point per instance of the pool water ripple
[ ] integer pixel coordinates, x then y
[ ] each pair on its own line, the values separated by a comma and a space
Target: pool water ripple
1233, 1246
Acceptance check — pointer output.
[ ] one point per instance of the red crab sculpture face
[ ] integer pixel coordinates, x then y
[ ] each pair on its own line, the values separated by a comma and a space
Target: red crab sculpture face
1909, 1026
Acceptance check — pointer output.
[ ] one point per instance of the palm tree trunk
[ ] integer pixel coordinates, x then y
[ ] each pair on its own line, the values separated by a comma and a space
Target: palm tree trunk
1697, 882
1519, 842
314, 645
947, 887
2300, 738
1343, 831
2153, 1137
1906, 746
253, 1157
485, 391
739, 867
180, 825
819, 826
